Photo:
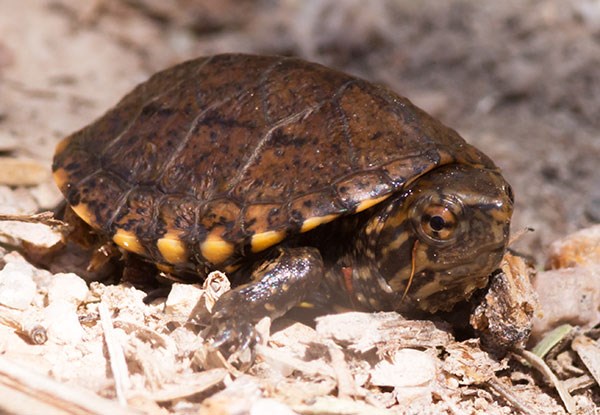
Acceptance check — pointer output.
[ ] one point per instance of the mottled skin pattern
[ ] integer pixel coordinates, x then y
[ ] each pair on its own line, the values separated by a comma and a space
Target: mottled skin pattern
233, 160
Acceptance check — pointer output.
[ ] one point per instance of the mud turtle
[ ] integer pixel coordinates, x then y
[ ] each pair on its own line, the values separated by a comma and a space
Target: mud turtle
294, 178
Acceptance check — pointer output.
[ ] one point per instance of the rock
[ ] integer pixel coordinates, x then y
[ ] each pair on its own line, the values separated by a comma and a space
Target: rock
17, 288
67, 287
569, 295
581, 248
408, 368
63, 323
182, 299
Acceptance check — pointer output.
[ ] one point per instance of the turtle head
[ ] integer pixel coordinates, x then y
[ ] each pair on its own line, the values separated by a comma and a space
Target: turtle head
443, 236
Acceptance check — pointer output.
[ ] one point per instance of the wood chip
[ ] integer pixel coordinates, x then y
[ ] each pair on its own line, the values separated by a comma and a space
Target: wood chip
543, 368
346, 385
387, 332
328, 405
507, 394
22, 172
589, 353
22, 391
190, 385
118, 364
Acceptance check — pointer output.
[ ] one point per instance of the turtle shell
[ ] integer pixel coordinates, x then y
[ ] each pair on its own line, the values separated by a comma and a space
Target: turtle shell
223, 156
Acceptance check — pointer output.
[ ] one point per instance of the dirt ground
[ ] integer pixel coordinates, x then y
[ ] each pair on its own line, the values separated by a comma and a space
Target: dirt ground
518, 79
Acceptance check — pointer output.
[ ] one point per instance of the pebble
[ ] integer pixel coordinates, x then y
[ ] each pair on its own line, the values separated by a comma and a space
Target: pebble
407, 368
581, 248
67, 287
410, 372
62, 323
182, 299
17, 288
569, 291
569, 295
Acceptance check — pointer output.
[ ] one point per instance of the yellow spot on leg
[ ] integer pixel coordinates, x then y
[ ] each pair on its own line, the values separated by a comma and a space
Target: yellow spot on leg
216, 250
312, 223
172, 249
262, 241
128, 241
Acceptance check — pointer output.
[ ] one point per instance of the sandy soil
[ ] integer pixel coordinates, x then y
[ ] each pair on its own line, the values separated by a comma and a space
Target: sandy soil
519, 79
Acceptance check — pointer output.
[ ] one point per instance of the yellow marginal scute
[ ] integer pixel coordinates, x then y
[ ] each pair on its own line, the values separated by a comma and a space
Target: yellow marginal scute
264, 240
61, 177
172, 249
62, 144
128, 241
312, 223
84, 213
165, 268
216, 250
365, 204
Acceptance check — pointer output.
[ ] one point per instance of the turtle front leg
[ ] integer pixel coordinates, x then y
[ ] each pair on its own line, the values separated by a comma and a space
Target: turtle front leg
276, 287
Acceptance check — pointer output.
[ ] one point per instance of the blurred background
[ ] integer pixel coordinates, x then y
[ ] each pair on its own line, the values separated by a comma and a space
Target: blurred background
518, 79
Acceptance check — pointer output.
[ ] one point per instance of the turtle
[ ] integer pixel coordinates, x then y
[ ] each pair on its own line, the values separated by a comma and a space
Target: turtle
297, 180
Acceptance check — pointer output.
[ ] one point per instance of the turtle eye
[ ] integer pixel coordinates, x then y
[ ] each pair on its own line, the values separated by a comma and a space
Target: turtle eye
437, 219
438, 222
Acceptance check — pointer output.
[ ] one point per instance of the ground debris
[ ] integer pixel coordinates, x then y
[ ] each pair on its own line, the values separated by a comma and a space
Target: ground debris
38, 231
504, 317
580, 249
22, 172
355, 362
386, 332
569, 292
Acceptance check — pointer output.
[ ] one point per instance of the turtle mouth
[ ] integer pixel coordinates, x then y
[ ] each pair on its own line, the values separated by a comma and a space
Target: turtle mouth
441, 288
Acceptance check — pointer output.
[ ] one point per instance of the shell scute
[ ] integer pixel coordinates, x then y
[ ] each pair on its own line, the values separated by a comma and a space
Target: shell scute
361, 186
98, 193
137, 213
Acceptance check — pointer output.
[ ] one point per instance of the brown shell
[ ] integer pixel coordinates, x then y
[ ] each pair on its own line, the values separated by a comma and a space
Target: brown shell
222, 155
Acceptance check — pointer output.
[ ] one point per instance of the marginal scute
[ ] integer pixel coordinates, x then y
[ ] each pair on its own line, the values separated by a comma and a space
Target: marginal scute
128, 241
165, 268
408, 168
84, 213
62, 145
262, 241
312, 223
172, 249
319, 207
365, 204
262, 217
137, 214
219, 216
362, 186
61, 178
216, 250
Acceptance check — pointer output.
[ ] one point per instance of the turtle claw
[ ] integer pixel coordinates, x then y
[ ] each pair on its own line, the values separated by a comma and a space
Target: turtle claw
234, 340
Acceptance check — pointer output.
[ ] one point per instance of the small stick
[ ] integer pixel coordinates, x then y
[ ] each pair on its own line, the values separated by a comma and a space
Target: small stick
118, 365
